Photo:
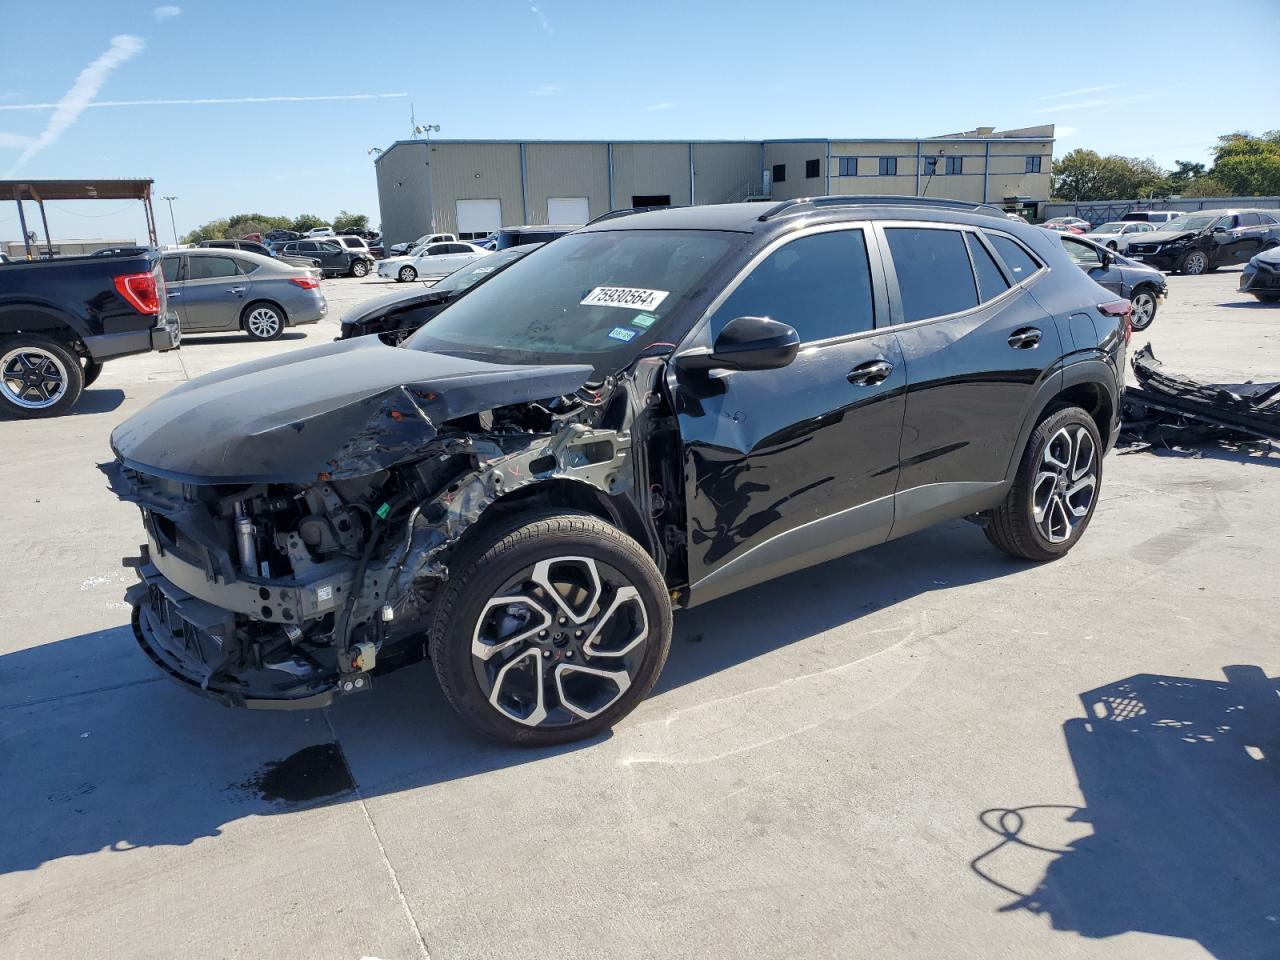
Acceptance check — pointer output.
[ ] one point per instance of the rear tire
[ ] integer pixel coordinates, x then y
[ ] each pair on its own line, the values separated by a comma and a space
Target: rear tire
92, 370
262, 321
536, 670
39, 377
1055, 491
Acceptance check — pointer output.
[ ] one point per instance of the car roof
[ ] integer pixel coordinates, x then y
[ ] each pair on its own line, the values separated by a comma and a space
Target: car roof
538, 227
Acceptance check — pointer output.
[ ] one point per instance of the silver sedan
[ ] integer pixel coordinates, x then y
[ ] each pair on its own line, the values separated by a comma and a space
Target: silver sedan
223, 290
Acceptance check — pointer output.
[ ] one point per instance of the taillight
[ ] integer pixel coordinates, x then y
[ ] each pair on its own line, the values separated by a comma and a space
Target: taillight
306, 283
139, 291
1122, 309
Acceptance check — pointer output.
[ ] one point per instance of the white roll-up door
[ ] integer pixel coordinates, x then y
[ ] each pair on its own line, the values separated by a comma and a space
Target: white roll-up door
568, 210
479, 217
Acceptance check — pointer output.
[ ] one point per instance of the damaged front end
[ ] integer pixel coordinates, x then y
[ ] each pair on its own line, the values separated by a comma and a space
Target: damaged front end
282, 586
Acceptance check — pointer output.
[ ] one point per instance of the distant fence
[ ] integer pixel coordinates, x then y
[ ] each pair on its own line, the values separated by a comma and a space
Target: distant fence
1101, 211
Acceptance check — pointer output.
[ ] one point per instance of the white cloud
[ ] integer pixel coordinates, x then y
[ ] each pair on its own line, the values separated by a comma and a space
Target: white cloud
205, 100
15, 140
1079, 91
66, 112
533, 8
1096, 103
664, 105
1064, 132
164, 13
546, 90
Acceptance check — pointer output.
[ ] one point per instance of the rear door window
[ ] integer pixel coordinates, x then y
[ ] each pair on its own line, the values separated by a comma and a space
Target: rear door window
991, 282
819, 284
934, 275
211, 268
169, 269
1014, 256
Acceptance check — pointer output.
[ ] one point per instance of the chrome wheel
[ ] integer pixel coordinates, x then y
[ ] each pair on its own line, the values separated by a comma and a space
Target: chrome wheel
1144, 310
1195, 264
1063, 491
560, 643
359, 268
408, 273
263, 323
32, 378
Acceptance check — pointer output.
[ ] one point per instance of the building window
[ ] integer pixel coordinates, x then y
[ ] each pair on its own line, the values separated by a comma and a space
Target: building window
779, 173
810, 169
848, 166
888, 166
1033, 164
930, 166
955, 164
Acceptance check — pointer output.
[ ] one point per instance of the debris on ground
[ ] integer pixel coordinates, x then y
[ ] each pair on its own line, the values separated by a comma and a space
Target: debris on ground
1175, 411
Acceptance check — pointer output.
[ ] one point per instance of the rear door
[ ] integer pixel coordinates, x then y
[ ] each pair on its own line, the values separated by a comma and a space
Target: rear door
1250, 236
790, 467
976, 346
215, 292
171, 270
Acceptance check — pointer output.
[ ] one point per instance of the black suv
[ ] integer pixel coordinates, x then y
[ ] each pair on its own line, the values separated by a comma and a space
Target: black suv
335, 259
1202, 242
651, 412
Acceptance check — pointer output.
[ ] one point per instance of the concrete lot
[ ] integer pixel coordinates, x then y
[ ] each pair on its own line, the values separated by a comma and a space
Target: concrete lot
911, 752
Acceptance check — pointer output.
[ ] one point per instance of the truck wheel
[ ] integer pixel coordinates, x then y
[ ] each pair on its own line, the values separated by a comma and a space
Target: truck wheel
262, 321
92, 370
1268, 297
407, 274
1195, 263
39, 377
1051, 502
553, 628
1144, 308
359, 268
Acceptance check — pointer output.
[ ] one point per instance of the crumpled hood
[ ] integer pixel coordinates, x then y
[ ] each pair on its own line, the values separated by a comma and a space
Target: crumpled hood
344, 409
395, 301
1164, 236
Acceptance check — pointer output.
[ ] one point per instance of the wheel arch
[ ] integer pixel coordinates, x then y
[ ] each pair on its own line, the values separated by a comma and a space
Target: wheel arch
1089, 384
18, 319
258, 301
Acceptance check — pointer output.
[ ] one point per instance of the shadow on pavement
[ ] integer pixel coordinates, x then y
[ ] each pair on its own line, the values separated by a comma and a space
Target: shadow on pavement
195, 339
1181, 782
100, 752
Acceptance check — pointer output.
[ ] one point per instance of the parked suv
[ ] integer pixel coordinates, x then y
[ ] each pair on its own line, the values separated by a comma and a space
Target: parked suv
335, 259
1202, 242
652, 412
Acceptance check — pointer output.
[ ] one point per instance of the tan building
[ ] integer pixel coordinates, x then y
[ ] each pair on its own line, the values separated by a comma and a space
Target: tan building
473, 187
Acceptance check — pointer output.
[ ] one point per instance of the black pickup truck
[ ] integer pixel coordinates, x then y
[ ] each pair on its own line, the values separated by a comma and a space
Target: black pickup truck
61, 319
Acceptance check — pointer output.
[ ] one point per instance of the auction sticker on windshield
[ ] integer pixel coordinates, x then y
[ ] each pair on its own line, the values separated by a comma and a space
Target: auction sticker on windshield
630, 298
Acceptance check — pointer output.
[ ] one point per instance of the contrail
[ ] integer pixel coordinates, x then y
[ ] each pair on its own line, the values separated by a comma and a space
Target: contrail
67, 111
200, 100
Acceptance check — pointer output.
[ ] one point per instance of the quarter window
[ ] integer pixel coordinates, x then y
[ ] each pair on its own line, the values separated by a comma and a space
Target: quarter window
991, 282
1033, 164
819, 284
1015, 258
779, 173
811, 169
888, 166
211, 268
934, 275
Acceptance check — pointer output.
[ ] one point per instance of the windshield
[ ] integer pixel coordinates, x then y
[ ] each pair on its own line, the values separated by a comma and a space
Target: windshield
514, 238
1189, 223
1109, 228
597, 298
474, 272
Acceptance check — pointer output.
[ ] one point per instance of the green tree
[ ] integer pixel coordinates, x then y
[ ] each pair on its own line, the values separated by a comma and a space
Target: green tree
307, 221
1247, 165
1086, 175
346, 222
1185, 173
213, 230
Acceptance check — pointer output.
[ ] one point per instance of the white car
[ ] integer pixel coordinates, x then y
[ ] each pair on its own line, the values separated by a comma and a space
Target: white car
400, 249
430, 261
319, 232
1117, 234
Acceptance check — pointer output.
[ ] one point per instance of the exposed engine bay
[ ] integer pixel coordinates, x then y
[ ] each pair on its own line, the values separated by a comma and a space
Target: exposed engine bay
281, 594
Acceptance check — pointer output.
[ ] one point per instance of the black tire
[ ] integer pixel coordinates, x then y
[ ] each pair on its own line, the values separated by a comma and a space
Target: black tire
406, 274
1013, 526
496, 564
359, 268
39, 376
92, 370
1268, 297
255, 319
1144, 308
1195, 263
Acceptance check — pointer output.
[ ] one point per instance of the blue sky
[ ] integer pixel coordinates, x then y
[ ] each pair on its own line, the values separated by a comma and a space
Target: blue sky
570, 69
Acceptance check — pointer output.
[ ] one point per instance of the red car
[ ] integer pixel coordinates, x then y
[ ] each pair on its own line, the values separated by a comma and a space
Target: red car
1068, 225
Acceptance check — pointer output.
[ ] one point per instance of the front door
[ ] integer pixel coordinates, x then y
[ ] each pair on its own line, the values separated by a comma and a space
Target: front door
790, 467
215, 292
1089, 259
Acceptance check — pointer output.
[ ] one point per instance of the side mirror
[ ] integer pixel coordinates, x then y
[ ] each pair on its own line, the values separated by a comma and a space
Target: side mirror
1108, 259
746, 343
1220, 229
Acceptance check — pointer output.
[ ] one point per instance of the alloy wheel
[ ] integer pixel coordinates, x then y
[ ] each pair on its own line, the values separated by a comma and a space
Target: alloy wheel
264, 323
32, 378
1063, 491
560, 642
1195, 264
1144, 310
408, 273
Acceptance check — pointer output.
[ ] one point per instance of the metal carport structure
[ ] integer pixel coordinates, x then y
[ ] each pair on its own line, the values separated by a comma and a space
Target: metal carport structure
42, 190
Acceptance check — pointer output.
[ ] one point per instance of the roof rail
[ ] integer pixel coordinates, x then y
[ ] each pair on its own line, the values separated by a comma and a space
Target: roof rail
815, 203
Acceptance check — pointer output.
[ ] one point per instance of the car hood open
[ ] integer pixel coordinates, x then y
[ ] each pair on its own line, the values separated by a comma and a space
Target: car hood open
344, 409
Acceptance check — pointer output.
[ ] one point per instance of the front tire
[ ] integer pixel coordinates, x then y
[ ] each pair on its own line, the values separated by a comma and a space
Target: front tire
1055, 491
1144, 309
1268, 297
39, 377
1195, 263
359, 268
407, 274
263, 321
553, 628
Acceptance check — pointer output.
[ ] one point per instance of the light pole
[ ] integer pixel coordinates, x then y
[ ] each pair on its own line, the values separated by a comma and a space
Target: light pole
172, 222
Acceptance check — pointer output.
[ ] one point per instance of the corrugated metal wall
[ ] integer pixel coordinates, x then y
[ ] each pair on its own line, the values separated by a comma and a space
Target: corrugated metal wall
566, 170
794, 155
404, 193
648, 169
475, 171
725, 172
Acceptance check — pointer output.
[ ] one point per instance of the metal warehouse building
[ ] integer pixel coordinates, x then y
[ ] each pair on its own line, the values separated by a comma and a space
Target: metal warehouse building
473, 187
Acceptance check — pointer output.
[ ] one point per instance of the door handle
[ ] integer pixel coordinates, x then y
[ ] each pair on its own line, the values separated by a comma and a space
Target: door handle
1028, 338
176, 293
870, 373
237, 290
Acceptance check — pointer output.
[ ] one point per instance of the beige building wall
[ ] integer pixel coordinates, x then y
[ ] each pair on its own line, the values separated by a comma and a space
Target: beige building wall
404, 193
725, 172
794, 154
565, 170
650, 169
474, 171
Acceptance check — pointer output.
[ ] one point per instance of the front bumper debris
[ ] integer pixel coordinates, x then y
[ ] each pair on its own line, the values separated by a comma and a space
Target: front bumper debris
1168, 409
